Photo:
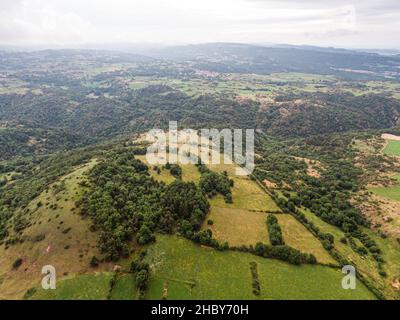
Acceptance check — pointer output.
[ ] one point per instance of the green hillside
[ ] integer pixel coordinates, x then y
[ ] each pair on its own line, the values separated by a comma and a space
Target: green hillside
193, 272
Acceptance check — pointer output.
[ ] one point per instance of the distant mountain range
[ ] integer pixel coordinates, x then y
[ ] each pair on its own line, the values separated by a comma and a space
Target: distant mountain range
245, 58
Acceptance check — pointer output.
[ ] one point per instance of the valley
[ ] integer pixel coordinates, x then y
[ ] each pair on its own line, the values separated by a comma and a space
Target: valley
78, 193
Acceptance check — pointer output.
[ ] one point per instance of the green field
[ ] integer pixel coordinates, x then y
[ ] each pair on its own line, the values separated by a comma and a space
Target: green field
246, 193
392, 193
91, 287
189, 172
237, 223
362, 146
181, 269
82, 287
189, 271
392, 148
256, 86
298, 237
124, 288
390, 253
237, 226
67, 242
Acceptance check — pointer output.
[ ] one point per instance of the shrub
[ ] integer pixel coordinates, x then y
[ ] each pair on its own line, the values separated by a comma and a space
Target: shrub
29, 293
274, 230
145, 235
212, 183
176, 171
94, 262
17, 263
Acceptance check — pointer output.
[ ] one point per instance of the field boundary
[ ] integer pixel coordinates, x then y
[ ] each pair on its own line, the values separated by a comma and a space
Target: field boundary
337, 256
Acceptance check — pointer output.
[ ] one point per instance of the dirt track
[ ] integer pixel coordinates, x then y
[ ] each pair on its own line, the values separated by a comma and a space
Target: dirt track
388, 136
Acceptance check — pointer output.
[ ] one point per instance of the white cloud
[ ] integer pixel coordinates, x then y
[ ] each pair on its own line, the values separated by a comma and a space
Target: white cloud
70, 22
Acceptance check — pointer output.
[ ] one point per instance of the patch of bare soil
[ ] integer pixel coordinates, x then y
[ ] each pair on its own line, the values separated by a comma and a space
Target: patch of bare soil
314, 167
242, 99
265, 103
383, 214
388, 136
381, 180
377, 167
32, 141
396, 284
269, 184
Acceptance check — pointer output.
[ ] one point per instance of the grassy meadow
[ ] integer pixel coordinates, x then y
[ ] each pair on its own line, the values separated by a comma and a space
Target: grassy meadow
298, 237
124, 288
367, 265
57, 236
392, 148
392, 192
180, 269
237, 226
81, 287
188, 271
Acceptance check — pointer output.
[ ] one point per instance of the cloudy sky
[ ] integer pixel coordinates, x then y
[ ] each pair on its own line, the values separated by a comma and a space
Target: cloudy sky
358, 23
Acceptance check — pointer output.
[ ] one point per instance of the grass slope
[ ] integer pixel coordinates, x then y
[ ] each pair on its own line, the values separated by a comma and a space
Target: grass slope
237, 226
124, 288
189, 172
234, 223
189, 271
392, 192
246, 193
82, 287
392, 148
68, 244
297, 236
366, 265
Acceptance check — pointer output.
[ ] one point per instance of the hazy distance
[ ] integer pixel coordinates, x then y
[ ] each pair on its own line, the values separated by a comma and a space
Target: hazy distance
75, 23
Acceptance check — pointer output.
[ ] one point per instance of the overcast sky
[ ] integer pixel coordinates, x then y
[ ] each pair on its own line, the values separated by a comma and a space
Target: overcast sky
358, 23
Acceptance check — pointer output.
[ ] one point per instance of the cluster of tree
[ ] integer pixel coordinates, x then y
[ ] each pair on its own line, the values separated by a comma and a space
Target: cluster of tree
33, 176
204, 237
322, 113
125, 203
212, 183
329, 195
47, 122
184, 202
274, 231
370, 244
141, 270
122, 200
94, 262
328, 239
255, 281
175, 170
284, 253
30, 141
